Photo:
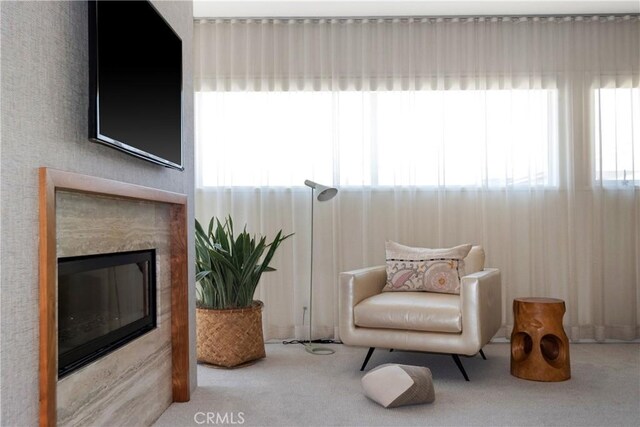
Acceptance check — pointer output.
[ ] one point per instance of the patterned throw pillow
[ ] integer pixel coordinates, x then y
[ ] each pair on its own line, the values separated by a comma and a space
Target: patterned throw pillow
423, 269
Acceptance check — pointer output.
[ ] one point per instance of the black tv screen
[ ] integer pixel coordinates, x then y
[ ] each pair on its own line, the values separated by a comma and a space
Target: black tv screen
136, 81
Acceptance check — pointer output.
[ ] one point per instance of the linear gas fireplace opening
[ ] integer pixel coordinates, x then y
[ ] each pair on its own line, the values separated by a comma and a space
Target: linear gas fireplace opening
104, 301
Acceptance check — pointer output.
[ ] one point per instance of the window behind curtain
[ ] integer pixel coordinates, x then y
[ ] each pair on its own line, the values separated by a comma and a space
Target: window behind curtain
617, 130
453, 138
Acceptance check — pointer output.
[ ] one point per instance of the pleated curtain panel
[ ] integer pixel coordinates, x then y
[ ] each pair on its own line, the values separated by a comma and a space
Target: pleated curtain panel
519, 134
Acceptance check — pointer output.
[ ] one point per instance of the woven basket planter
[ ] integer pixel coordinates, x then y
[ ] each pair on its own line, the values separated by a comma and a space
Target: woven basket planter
230, 337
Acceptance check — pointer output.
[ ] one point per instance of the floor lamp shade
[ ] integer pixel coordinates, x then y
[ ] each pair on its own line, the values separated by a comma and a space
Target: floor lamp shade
324, 193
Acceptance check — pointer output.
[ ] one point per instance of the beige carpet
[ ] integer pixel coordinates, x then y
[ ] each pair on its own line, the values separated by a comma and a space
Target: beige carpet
293, 388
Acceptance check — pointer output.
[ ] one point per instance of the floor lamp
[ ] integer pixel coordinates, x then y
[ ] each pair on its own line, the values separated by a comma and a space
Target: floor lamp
324, 193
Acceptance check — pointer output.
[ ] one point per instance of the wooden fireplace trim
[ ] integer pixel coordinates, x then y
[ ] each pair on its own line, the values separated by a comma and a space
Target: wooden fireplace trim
52, 180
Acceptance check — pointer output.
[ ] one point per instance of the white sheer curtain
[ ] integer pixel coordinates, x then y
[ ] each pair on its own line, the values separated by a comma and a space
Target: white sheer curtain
520, 134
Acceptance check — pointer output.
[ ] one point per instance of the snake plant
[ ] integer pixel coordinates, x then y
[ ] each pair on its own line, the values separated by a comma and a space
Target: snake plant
228, 268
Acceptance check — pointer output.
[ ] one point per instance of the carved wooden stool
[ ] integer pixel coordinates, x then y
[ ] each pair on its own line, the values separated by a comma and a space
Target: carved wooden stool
539, 346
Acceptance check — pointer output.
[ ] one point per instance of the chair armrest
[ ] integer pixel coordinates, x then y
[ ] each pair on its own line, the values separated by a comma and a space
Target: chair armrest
356, 286
481, 295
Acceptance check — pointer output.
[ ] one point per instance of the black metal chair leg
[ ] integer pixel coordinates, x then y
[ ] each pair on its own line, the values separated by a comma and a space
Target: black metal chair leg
366, 359
482, 354
459, 363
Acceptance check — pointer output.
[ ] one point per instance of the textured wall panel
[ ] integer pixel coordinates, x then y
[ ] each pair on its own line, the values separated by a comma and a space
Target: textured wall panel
44, 104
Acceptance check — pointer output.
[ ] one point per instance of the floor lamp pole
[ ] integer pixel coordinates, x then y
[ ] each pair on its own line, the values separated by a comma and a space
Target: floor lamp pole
310, 347
311, 274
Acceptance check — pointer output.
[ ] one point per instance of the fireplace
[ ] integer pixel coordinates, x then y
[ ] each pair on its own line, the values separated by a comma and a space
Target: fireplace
104, 302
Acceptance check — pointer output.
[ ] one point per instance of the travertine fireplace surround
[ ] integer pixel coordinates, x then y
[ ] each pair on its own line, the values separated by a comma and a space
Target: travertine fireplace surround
134, 384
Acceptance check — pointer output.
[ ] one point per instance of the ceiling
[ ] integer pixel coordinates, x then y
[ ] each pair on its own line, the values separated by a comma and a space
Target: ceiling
334, 8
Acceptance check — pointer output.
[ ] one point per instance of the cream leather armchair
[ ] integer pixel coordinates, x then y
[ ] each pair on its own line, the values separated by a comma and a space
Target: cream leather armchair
420, 321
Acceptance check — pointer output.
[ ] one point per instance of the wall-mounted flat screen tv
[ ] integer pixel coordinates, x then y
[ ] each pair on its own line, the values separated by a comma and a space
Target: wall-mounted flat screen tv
135, 81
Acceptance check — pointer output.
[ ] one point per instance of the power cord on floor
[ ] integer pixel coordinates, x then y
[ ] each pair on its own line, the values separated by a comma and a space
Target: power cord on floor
320, 341
303, 342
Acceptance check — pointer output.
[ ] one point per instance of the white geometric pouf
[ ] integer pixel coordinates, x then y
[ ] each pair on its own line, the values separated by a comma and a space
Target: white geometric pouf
392, 385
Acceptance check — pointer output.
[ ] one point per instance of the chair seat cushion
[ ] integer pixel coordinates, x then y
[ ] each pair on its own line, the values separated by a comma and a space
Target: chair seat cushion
416, 311
393, 385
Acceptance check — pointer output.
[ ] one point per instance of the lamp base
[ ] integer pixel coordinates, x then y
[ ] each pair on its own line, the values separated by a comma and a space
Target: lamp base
320, 351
